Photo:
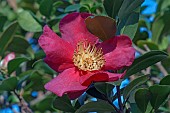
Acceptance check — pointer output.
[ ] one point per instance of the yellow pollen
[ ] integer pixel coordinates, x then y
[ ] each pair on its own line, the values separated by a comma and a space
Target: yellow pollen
88, 57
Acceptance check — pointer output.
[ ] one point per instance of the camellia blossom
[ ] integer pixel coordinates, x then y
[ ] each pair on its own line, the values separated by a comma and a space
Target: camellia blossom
80, 58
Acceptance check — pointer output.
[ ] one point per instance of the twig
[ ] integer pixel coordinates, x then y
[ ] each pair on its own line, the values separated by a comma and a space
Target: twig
159, 65
40, 98
119, 99
23, 104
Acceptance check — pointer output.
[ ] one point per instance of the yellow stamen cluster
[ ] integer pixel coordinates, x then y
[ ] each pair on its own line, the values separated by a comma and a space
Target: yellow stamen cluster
88, 57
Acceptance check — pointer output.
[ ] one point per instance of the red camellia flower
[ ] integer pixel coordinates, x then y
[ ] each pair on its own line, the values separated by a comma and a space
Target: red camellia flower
80, 58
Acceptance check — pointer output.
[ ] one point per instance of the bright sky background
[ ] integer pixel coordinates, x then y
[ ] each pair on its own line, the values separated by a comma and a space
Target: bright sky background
152, 5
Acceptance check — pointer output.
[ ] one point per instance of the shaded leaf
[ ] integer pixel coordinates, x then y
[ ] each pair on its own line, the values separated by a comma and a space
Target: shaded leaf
134, 108
101, 26
95, 93
99, 106
165, 80
9, 84
132, 85
18, 45
145, 61
112, 7
3, 19
15, 63
142, 97
45, 104
128, 6
104, 88
7, 37
159, 94
63, 103
46, 7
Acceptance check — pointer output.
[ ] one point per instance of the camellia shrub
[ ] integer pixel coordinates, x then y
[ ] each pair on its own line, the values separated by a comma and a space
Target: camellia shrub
84, 56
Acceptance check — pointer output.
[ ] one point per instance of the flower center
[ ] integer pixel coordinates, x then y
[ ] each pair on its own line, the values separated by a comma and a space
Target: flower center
88, 57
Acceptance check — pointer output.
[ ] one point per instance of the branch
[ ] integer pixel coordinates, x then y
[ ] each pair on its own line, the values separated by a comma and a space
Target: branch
159, 65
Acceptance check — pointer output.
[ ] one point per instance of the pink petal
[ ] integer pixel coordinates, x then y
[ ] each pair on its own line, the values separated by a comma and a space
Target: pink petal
66, 82
73, 29
74, 95
118, 52
115, 76
59, 53
88, 77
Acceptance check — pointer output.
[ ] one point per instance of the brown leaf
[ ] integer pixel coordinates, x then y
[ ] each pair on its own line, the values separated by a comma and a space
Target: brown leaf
101, 26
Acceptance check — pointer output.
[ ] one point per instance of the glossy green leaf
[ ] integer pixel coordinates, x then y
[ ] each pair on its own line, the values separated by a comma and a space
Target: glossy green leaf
106, 27
159, 94
142, 97
28, 23
99, 106
15, 63
7, 37
104, 88
112, 7
132, 85
74, 7
46, 7
165, 80
129, 24
63, 103
9, 84
18, 45
128, 6
145, 61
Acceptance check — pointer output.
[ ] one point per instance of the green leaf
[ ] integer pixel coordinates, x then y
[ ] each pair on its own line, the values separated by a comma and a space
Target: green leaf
142, 97
106, 27
151, 45
74, 7
165, 80
145, 61
159, 94
112, 7
45, 104
128, 6
3, 19
99, 106
160, 26
130, 24
15, 63
157, 29
18, 45
63, 103
46, 7
28, 23
104, 88
132, 85
134, 108
7, 37
9, 84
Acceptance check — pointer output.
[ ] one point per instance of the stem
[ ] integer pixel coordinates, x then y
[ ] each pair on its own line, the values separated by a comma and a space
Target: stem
119, 99
24, 105
117, 110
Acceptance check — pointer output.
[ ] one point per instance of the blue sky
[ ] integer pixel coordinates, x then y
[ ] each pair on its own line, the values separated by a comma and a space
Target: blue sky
152, 5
